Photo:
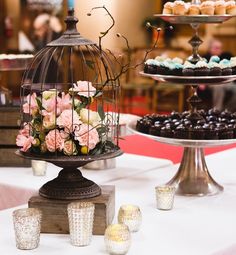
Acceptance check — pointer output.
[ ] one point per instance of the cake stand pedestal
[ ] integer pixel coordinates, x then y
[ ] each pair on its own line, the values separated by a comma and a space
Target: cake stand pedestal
193, 177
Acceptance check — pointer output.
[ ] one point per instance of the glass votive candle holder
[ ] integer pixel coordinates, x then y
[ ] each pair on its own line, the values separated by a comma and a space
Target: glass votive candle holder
131, 216
27, 224
117, 239
81, 217
165, 197
39, 167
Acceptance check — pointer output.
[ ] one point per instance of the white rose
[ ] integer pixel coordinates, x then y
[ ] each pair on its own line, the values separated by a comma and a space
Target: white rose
49, 121
70, 148
49, 94
90, 117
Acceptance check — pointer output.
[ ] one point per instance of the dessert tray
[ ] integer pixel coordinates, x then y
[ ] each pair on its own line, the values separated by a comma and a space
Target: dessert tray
193, 177
198, 19
191, 80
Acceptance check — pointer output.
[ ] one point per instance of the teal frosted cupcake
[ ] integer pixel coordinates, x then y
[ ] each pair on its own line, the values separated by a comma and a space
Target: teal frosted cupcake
188, 69
225, 67
150, 66
214, 59
215, 69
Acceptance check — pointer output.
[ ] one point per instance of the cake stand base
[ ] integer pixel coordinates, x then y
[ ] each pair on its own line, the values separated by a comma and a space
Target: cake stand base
193, 177
70, 184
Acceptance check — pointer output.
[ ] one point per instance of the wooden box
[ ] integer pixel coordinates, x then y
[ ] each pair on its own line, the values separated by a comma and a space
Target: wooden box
9, 127
55, 219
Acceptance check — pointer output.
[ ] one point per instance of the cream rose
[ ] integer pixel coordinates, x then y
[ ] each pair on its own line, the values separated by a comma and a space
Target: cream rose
90, 117
49, 121
70, 148
49, 94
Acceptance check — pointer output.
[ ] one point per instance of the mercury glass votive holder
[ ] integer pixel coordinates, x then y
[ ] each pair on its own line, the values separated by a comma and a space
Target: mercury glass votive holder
81, 217
117, 239
131, 216
39, 167
165, 197
27, 224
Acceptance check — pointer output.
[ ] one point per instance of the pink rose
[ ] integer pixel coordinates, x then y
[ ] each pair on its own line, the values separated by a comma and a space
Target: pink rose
68, 119
87, 136
84, 88
70, 148
26, 130
51, 105
54, 141
66, 102
31, 107
24, 142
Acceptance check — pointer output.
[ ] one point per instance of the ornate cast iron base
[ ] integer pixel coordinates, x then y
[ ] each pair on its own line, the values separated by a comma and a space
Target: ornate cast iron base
193, 177
70, 184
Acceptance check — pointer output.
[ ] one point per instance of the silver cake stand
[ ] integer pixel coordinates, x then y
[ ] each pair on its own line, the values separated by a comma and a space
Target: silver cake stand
192, 177
195, 22
191, 80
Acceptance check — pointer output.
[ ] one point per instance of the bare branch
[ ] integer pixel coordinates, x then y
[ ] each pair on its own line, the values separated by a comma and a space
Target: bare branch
103, 34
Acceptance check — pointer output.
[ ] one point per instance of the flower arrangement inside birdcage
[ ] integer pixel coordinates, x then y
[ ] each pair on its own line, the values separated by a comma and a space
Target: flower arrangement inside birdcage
69, 99
62, 122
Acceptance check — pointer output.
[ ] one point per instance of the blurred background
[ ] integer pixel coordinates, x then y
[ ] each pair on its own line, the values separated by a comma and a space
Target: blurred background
27, 25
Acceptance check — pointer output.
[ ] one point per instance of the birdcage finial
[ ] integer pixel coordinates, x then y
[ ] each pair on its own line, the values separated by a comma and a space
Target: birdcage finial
71, 22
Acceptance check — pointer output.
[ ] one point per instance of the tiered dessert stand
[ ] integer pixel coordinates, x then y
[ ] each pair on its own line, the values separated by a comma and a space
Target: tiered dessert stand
192, 177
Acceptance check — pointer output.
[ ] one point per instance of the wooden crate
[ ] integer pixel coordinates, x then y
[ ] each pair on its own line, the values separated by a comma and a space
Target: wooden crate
55, 219
9, 127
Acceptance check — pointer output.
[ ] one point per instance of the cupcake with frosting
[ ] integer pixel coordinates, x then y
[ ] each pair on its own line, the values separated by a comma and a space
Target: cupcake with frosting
233, 65
180, 8
215, 59
201, 68
194, 10
168, 8
220, 7
215, 69
230, 7
150, 66
188, 69
207, 8
225, 67
178, 60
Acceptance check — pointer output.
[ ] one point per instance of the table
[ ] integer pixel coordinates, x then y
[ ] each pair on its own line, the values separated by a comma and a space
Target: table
196, 226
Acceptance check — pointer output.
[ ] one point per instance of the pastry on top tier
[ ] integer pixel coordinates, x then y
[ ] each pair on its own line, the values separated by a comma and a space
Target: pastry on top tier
220, 8
207, 8
180, 8
168, 8
231, 8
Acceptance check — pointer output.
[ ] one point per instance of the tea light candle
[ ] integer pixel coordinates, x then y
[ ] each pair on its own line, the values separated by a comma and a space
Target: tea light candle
39, 167
165, 197
131, 216
27, 224
117, 239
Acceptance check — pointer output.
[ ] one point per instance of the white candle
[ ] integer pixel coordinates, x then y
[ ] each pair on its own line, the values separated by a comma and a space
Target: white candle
165, 197
131, 216
39, 167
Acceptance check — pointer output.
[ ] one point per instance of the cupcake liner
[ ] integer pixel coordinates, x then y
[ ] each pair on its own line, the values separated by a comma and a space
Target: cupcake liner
220, 10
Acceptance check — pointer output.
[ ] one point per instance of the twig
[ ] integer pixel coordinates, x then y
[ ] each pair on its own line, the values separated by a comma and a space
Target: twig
103, 34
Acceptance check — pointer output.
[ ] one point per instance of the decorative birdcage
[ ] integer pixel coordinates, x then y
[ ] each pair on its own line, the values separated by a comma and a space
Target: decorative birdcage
70, 111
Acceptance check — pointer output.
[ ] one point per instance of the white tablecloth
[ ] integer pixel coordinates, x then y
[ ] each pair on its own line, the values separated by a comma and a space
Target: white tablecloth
18, 184
196, 226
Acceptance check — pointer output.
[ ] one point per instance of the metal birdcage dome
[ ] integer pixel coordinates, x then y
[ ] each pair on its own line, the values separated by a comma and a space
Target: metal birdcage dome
70, 111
